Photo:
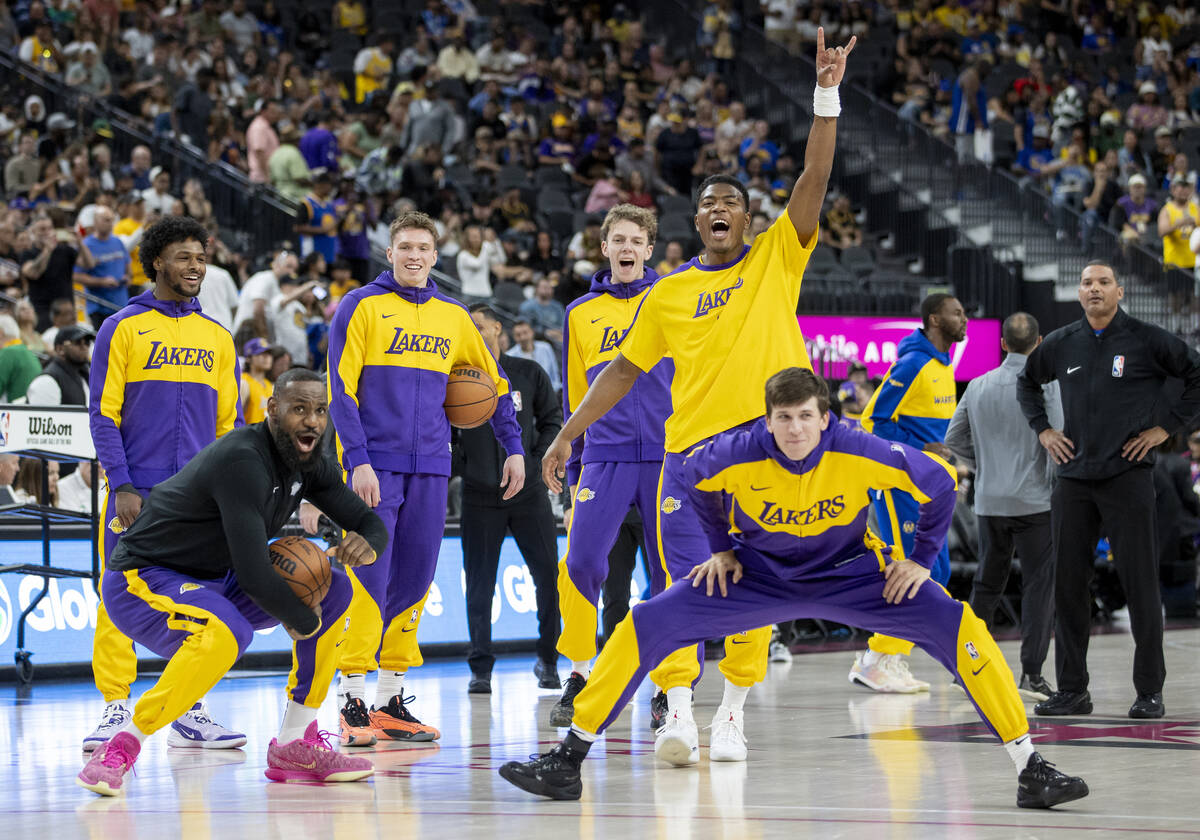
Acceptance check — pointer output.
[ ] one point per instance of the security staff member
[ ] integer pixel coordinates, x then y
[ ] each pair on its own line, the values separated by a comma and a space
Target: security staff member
486, 517
64, 381
1111, 368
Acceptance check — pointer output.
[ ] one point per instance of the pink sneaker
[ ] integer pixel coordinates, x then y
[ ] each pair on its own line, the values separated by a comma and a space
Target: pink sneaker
313, 759
105, 771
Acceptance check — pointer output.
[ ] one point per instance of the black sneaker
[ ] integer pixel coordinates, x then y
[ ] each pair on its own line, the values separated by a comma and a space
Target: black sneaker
1065, 703
658, 710
1148, 706
479, 684
564, 710
551, 774
1034, 687
547, 674
1041, 785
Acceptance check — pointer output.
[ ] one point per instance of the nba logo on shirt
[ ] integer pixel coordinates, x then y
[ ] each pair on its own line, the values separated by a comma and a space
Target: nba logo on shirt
971, 651
1118, 366
516, 398
5, 421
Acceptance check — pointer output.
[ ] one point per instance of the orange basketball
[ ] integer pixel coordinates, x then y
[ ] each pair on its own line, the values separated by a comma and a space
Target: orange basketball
304, 566
470, 397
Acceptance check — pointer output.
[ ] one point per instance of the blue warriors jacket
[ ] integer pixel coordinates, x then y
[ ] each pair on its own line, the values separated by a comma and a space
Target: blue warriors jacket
809, 516
164, 384
391, 350
917, 398
633, 430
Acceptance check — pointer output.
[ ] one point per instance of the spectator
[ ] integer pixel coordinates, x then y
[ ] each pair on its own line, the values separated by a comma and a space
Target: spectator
42, 49
218, 295
75, 491
48, 267
10, 465
1111, 359
545, 258
241, 26
525, 346
27, 488
138, 168
1146, 114
26, 322
259, 290
289, 173
262, 141
290, 311
1013, 482
108, 276
193, 107
10, 257
88, 73
1100, 200
678, 148
544, 313
159, 201
430, 122
672, 258
319, 145
62, 315
457, 61
23, 169
1176, 221
64, 381
557, 149
841, 229
373, 66
18, 365
350, 16
474, 262
1133, 211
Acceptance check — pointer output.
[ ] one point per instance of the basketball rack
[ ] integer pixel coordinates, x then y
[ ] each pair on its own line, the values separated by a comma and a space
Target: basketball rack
22, 433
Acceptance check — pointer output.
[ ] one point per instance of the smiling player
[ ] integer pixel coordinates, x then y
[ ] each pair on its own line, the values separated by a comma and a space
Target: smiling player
728, 320
164, 384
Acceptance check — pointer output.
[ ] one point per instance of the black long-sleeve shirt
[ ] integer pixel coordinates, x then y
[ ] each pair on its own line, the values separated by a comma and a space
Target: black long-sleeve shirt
479, 458
218, 512
1112, 389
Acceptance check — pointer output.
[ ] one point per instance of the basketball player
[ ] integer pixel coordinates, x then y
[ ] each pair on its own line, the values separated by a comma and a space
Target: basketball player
616, 465
797, 489
392, 345
728, 320
914, 406
164, 384
192, 580
256, 389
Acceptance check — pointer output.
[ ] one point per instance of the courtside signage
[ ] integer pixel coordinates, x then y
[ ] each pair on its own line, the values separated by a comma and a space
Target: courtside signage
874, 342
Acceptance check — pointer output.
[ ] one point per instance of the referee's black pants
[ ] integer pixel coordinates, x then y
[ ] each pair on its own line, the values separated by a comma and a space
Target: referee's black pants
1123, 508
531, 522
1031, 535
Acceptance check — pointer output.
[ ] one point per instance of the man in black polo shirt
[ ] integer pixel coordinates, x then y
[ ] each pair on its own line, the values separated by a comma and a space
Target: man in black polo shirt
1112, 369
487, 516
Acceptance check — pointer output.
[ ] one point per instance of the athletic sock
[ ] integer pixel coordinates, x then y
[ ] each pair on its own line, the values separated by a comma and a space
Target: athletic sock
296, 720
135, 732
583, 734
735, 695
679, 701
871, 657
390, 684
583, 669
353, 686
1020, 750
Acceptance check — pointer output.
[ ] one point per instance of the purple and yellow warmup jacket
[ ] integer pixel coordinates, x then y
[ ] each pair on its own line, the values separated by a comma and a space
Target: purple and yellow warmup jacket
391, 349
164, 384
809, 516
917, 398
633, 429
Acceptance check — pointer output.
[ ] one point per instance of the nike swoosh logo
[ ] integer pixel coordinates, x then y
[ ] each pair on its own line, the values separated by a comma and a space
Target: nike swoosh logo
981, 667
393, 315
1071, 370
408, 630
736, 642
143, 332
601, 318
757, 489
312, 765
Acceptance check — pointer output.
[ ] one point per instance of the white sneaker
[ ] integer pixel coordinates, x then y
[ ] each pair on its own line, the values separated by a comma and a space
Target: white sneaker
115, 718
899, 664
196, 729
678, 741
779, 652
881, 677
728, 741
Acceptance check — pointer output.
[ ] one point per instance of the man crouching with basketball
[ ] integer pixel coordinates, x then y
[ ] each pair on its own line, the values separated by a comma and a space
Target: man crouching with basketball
192, 580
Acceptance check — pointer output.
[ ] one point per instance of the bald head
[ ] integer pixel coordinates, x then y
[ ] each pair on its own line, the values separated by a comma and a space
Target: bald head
1020, 333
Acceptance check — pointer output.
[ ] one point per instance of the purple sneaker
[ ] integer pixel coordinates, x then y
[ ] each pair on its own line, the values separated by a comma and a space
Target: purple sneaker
105, 771
313, 759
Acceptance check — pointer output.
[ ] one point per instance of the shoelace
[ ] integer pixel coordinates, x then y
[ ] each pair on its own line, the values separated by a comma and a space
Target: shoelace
116, 757
320, 741
722, 729
405, 714
355, 714
200, 716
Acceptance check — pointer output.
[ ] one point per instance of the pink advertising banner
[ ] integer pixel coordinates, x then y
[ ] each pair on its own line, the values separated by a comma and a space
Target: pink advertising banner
873, 342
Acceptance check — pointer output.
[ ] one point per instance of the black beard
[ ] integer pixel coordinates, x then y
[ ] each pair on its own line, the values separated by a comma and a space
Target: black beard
291, 456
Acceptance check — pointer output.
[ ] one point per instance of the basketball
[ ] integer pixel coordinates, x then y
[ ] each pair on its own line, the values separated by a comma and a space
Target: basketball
470, 397
304, 566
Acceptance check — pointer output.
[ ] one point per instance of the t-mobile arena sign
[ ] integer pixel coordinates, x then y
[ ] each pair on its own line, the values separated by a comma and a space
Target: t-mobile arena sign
834, 341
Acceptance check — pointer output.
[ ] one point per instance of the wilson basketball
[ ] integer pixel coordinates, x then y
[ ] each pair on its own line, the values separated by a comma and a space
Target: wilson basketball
303, 565
470, 397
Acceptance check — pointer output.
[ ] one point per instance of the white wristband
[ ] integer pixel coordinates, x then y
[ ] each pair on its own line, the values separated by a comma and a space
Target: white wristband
826, 102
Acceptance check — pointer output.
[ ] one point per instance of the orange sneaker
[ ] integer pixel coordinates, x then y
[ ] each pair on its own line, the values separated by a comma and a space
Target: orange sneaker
355, 724
396, 723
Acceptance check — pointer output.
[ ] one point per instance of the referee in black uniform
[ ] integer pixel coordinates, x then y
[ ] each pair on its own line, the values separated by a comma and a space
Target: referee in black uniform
487, 517
1111, 368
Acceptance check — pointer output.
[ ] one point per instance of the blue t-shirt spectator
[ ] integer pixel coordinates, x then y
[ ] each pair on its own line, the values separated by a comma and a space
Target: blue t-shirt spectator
112, 260
548, 315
